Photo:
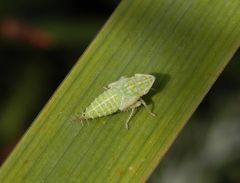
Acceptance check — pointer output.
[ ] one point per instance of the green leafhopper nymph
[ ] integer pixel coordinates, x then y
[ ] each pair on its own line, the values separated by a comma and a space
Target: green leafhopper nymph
122, 95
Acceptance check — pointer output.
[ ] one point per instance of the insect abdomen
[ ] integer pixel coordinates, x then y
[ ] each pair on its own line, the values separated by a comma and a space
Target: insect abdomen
105, 104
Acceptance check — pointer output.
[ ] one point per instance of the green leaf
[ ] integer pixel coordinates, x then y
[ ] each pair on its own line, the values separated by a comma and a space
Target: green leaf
186, 44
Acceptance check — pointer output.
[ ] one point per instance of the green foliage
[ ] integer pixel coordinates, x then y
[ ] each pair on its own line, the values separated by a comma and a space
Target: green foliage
185, 44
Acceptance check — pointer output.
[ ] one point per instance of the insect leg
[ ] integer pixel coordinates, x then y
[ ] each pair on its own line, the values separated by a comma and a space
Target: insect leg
75, 118
133, 109
145, 105
87, 122
130, 116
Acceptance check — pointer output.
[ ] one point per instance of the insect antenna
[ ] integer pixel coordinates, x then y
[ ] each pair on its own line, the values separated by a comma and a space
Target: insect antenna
153, 89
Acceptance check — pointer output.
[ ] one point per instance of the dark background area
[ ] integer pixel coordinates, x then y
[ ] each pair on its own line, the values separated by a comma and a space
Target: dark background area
39, 43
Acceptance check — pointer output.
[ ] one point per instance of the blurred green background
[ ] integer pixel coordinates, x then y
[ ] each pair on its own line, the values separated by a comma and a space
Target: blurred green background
39, 43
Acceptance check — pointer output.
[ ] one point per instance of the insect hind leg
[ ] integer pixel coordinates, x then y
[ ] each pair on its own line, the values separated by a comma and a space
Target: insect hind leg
79, 117
74, 118
133, 109
84, 118
129, 118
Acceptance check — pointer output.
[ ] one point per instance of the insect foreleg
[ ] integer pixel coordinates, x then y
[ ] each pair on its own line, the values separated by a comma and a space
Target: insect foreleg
145, 105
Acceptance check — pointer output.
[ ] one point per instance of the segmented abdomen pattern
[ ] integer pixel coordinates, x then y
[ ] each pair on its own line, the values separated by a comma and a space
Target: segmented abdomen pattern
106, 103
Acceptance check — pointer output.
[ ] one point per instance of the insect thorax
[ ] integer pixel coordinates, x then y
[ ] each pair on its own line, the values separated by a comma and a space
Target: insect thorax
136, 86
